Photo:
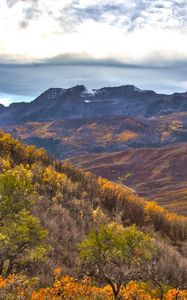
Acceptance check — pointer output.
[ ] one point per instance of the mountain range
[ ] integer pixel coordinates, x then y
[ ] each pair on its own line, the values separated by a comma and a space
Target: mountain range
135, 137
79, 102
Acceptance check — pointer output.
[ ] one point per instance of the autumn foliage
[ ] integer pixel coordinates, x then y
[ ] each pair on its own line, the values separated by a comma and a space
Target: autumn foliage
69, 288
48, 208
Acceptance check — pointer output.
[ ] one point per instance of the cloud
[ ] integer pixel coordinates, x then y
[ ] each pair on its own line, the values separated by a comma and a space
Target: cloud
5, 100
131, 14
132, 31
145, 37
28, 81
74, 13
11, 3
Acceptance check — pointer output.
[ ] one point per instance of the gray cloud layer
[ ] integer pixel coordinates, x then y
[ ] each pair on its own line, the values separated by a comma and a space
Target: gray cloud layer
31, 80
66, 70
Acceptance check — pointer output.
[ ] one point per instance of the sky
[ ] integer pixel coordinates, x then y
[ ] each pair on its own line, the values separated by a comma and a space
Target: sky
61, 43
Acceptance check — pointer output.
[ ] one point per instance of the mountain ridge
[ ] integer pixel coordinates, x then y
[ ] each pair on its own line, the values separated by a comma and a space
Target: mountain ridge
80, 102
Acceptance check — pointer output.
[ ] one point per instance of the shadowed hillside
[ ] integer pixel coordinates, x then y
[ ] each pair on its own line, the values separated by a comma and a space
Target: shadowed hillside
157, 173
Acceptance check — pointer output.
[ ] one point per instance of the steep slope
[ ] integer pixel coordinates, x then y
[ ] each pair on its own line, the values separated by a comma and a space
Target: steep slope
51, 177
157, 173
48, 208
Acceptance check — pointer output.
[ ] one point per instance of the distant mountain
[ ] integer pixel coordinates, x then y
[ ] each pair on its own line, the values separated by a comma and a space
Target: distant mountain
2, 107
79, 102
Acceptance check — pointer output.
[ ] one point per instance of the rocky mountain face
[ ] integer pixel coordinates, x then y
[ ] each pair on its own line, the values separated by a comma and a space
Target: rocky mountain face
79, 102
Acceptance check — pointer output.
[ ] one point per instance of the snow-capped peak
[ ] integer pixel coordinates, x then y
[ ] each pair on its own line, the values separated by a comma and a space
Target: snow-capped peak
88, 93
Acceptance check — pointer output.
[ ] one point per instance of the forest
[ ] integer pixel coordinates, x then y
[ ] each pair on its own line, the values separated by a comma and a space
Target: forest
67, 234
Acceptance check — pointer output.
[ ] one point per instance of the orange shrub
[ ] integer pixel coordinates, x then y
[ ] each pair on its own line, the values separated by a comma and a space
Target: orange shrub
68, 288
174, 294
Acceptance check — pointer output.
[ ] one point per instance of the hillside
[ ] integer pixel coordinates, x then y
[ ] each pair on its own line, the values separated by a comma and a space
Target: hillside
157, 173
66, 138
48, 207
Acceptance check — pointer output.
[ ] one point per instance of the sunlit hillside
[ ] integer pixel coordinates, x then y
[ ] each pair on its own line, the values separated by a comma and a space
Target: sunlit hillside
47, 210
